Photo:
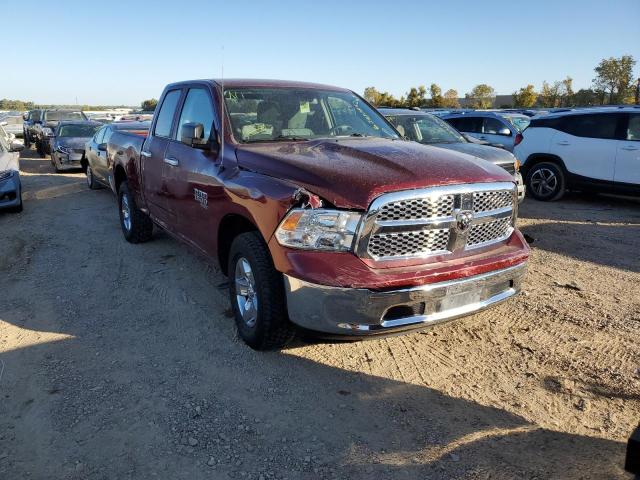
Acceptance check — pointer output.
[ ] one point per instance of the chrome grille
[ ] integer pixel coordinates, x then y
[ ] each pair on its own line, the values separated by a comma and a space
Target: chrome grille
417, 208
408, 243
491, 200
437, 221
489, 231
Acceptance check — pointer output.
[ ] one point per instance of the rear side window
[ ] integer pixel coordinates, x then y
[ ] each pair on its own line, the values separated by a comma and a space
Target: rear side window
599, 125
467, 124
633, 130
100, 135
165, 116
197, 109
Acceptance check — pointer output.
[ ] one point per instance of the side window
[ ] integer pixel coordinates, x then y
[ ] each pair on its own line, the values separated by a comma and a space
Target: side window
469, 124
492, 126
108, 131
599, 125
197, 109
633, 130
165, 115
100, 135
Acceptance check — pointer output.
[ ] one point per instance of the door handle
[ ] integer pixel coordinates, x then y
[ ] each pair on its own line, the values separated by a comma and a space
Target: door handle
171, 161
629, 148
144, 153
563, 143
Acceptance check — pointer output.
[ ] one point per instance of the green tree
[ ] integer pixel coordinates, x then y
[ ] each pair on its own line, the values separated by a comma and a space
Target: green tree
416, 97
585, 97
450, 99
525, 97
614, 79
566, 99
549, 95
149, 105
437, 101
481, 96
372, 95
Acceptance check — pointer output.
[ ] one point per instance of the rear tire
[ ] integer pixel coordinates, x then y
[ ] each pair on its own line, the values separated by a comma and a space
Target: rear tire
545, 182
136, 226
256, 291
91, 181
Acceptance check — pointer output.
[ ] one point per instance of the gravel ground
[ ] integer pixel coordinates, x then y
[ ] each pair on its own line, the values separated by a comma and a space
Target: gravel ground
121, 361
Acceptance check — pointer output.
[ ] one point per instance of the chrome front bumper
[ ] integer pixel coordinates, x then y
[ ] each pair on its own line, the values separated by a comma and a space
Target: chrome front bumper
362, 312
520, 185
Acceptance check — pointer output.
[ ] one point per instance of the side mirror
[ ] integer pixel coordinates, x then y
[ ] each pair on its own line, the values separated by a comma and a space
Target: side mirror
504, 131
192, 134
102, 147
16, 147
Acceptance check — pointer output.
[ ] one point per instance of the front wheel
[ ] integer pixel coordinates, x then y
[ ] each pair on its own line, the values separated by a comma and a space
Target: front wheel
136, 226
257, 295
545, 181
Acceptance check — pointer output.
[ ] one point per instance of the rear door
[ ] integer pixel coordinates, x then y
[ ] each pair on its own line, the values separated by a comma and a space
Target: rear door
98, 157
193, 184
587, 145
627, 169
153, 159
91, 148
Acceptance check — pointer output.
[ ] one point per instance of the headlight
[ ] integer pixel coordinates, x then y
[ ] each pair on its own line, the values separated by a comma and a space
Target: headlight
46, 131
318, 229
4, 174
63, 149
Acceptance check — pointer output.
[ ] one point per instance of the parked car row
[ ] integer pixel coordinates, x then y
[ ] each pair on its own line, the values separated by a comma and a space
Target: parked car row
10, 184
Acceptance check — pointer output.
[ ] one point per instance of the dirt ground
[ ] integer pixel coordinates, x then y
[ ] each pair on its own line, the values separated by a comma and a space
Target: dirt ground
121, 361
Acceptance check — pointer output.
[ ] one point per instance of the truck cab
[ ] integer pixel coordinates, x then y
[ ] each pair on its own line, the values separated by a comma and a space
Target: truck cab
322, 216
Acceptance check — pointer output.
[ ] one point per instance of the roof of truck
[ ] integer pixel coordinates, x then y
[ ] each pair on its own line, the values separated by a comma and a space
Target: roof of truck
256, 82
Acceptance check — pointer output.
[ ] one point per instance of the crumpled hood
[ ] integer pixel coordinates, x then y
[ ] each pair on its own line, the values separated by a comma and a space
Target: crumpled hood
350, 173
485, 152
9, 161
72, 142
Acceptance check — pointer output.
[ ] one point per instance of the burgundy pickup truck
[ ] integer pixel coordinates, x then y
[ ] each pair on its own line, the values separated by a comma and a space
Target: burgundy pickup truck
318, 212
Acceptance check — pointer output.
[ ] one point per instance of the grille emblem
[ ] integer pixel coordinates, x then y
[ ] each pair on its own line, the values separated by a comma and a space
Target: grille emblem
463, 220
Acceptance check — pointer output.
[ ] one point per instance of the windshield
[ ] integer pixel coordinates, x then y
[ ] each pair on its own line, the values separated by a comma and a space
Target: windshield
426, 129
520, 122
77, 130
54, 116
270, 114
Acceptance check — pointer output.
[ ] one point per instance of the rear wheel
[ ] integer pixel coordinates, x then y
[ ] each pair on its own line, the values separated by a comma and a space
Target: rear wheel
546, 182
257, 295
91, 181
136, 226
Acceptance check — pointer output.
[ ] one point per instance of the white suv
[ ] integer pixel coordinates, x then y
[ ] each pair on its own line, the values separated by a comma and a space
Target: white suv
591, 149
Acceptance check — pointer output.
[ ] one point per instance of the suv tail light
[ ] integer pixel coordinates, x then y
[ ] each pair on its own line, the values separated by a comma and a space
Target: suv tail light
518, 139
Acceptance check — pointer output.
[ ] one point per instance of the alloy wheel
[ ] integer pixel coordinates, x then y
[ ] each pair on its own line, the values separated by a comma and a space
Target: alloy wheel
246, 293
544, 182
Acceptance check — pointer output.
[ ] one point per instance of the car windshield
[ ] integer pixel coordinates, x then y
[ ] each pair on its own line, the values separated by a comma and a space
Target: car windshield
520, 122
77, 130
56, 116
426, 129
260, 114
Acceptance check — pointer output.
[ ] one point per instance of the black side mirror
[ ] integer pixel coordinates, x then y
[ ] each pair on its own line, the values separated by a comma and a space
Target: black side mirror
102, 147
192, 134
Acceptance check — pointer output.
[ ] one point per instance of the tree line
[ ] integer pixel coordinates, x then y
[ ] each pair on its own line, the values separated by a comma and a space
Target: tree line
613, 84
22, 106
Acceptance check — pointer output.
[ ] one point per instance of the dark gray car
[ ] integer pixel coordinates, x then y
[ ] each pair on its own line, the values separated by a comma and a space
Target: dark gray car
67, 143
48, 123
428, 129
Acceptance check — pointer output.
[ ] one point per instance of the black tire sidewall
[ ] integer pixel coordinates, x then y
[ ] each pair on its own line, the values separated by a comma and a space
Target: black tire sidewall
558, 192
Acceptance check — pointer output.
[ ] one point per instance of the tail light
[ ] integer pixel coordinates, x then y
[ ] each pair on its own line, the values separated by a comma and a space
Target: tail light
518, 139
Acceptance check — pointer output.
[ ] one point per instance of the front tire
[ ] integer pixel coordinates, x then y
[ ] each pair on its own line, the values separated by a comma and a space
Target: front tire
256, 291
545, 182
136, 226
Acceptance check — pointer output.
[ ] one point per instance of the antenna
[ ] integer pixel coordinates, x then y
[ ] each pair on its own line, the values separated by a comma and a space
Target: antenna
222, 108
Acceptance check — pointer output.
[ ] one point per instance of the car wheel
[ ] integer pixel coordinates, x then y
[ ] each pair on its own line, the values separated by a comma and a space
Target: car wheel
91, 181
136, 226
545, 182
256, 290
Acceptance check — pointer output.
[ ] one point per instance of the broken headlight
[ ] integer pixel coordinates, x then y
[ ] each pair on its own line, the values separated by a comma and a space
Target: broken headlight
318, 229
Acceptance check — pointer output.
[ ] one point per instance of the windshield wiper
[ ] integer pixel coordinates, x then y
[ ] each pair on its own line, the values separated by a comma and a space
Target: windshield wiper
280, 138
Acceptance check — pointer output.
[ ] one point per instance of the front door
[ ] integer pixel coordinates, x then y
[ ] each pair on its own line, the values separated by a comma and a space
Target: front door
627, 168
192, 174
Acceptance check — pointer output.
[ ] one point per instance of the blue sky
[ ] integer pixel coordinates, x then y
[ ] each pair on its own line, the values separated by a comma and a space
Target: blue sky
118, 52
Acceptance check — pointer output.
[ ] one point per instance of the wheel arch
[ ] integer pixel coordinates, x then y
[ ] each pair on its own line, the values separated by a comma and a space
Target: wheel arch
536, 158
231, 225
119, 176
